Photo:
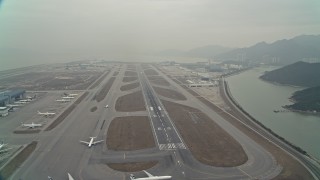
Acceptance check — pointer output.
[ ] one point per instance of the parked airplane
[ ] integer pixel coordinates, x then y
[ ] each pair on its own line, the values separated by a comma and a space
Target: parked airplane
66, 94
67, 97
91, 142
150, 177
20, 102
13, 105
25, 100
107, 106
2, 145
31, 97
32, 125
46, 113
63, 100
72, 95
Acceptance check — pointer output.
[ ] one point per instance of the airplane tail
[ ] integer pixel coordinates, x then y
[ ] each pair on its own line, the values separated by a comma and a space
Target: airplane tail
132, 177
93, 137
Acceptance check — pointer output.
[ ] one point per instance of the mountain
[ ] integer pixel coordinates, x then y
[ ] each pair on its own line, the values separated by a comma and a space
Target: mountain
199, 52
304, 47
297, 74
306, 100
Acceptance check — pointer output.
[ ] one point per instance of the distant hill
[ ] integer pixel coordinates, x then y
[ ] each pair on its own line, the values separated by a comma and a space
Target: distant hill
306, 100
297, 74
199, 52
304, 47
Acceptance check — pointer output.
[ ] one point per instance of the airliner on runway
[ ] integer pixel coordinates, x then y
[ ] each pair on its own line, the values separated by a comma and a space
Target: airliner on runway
150, 177
91, 142
46, 113
32, 125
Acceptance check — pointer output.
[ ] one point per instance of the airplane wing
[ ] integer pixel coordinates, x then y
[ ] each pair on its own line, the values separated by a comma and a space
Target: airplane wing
96, 142
149, 175
84, 142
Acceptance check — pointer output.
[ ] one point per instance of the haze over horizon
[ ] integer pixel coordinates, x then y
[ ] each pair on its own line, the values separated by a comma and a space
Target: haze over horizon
75, 30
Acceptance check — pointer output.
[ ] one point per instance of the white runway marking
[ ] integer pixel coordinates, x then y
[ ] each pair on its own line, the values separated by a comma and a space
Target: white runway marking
172, 146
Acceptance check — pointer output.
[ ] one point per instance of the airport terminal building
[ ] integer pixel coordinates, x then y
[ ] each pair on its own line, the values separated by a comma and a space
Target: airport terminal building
9, 96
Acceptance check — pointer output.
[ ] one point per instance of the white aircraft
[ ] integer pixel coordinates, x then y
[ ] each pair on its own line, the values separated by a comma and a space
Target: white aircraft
107, 106
70, 177
30, 97
2, 145
73, 95
46, 113
20, 102
67, 97
150, 177
63, 100
25, 100
32, 125
91, 142
13, 105
66, 94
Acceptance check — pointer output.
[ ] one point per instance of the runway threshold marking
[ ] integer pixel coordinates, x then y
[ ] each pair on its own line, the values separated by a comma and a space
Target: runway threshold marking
172, 146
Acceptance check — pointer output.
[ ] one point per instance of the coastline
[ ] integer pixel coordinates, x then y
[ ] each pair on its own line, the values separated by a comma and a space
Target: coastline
300, 111
236, 104
236, 72
291, 99
281, 84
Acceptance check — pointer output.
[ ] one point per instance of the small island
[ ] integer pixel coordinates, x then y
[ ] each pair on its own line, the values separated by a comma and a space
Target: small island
307, 100
299, 74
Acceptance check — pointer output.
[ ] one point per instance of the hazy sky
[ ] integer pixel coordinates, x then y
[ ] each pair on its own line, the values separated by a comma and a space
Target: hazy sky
110, 28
